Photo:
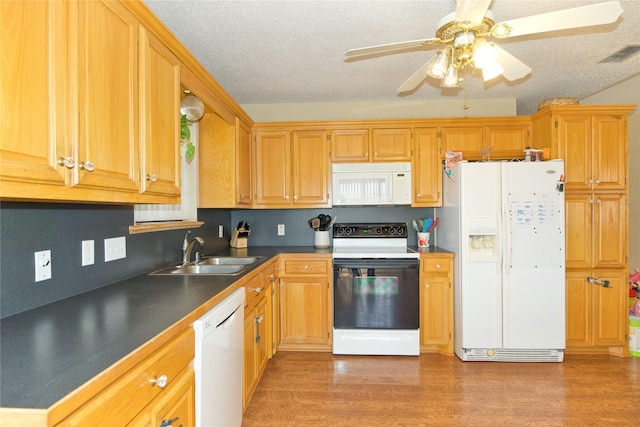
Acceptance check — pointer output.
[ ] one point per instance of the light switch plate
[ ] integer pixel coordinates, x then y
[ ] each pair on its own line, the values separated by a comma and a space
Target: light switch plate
88, 254
280, 229
115, 248
43, 265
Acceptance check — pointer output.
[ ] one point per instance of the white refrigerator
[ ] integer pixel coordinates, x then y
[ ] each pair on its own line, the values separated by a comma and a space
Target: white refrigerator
504, 221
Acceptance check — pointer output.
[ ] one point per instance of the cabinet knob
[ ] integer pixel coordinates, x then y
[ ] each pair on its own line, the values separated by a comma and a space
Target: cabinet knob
68, 162
88, 166
438, 266
256, 290
426, 285
152, 177
597, 181
160, 381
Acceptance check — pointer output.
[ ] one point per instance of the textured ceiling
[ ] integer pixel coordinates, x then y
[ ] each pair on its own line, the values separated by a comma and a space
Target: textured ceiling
265, 52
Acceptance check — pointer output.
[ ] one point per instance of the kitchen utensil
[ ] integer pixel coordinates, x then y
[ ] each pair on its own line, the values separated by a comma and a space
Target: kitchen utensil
333, 221
426, 225
433, 225
314, 223
414, 224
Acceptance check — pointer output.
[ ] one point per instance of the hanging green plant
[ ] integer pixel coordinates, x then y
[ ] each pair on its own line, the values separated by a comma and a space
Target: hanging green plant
185, 140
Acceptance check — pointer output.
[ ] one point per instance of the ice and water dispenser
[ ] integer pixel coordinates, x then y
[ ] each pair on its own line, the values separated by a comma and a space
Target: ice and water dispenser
482, 239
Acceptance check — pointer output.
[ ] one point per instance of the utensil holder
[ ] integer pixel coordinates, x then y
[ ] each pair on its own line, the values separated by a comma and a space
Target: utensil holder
321, 239
424, 240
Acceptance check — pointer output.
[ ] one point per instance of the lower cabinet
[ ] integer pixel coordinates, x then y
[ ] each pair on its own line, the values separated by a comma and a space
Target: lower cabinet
596, 315
256, 340
161, 387
436, 303
174, 409
305, 296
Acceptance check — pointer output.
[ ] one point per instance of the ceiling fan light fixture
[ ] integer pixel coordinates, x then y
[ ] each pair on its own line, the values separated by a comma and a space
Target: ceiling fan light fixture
492, 71
484, 55
450, 78
437, 67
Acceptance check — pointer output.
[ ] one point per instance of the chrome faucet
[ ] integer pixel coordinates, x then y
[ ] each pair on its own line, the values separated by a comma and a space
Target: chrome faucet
187, 247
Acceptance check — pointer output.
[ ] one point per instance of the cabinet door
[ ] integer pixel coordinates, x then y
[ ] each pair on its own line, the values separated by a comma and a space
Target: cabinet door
506, 141
610, 308
350, 145
610, 152
609, 230
435, 305
427, 169
262, 340
243, 164
273, 168
107, 44
579, 230
217, 161
574, 146
391, 145
579, 310
303, 311
250, 372
310, 161
33, 95
159, 117
465, 139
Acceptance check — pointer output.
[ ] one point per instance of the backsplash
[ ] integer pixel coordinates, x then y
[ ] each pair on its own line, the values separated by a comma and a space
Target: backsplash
29, 227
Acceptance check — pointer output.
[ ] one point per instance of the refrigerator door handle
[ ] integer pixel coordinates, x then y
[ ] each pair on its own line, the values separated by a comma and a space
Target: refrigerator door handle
499, 241
507, 238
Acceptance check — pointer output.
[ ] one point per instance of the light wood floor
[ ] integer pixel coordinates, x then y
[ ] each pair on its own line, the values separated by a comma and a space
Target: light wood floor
320, 389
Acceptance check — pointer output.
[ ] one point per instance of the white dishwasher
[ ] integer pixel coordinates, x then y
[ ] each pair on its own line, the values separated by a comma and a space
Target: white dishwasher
219, 364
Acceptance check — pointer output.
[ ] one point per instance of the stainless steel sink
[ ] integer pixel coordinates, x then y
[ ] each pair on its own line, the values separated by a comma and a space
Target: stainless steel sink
211, 266
225, 260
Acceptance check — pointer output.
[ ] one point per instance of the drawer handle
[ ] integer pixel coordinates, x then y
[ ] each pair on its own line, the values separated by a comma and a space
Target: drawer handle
256, 290
160, 381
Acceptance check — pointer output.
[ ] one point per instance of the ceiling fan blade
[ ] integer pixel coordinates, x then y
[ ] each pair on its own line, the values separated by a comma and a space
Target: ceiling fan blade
471, 10
414, 80
584, 16
391, 47
514, 69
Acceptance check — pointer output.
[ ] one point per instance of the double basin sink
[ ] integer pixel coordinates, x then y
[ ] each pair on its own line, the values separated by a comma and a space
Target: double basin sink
215, 265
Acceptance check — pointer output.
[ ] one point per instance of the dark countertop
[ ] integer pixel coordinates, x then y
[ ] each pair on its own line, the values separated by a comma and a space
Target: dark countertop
48, 352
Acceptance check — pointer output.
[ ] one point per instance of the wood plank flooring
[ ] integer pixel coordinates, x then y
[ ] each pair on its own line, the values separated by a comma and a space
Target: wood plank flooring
320, 389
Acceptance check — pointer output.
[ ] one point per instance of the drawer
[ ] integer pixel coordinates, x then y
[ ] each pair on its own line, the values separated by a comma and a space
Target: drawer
254, 291
436, 265
120, 402
305, 266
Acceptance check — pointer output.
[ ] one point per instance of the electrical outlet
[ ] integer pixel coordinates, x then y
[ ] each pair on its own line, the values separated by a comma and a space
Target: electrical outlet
220, 231
280, 229
43, 265
115, 248
88, 254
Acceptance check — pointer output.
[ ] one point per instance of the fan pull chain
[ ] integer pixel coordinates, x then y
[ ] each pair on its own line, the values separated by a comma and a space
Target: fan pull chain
465, 106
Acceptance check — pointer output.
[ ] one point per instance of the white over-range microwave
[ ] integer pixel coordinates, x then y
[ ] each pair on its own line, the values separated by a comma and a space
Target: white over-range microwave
357, 184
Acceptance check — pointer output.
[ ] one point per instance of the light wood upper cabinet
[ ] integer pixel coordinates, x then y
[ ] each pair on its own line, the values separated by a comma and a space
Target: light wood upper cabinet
362, 145
467, 139
595, 230
159, 120
311, 169
391, 145
427, 168
273, 168
33, 95
350, 145
507, 141
592, 140
243, 164
89, 103
107, 75
292, 169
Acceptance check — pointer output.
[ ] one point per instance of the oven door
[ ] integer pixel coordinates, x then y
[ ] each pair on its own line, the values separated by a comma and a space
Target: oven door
376, 294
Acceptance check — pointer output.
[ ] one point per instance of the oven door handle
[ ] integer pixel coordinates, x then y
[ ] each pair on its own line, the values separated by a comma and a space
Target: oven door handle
376, 263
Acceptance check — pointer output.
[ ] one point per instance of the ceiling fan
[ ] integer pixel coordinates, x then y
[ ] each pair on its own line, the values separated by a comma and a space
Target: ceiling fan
466, 32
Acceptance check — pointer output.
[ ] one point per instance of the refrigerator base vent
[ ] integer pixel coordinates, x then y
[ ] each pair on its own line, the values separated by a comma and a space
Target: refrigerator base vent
511, 355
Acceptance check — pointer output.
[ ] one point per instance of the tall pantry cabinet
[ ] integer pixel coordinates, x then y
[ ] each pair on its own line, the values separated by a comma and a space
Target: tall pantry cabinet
593, 141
